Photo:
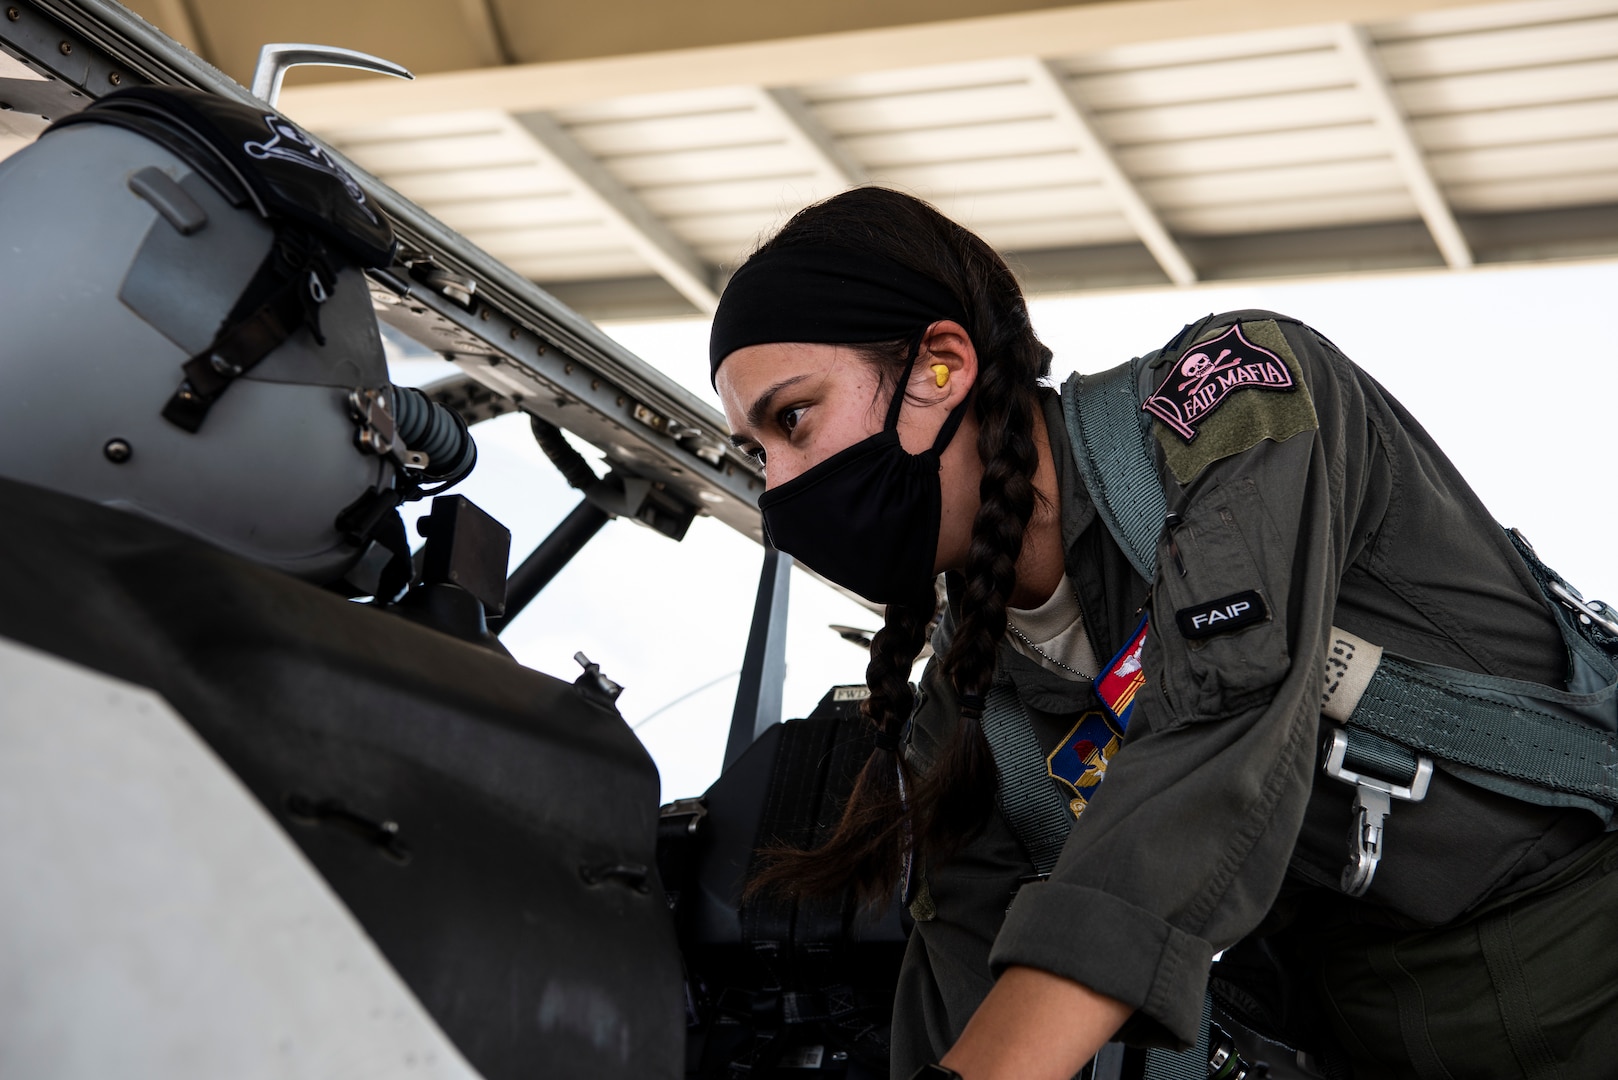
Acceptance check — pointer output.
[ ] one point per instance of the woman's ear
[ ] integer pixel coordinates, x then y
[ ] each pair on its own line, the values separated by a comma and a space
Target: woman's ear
948, 365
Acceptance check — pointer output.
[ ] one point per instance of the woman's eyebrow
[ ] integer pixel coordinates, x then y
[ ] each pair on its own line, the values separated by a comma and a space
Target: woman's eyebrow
761, 405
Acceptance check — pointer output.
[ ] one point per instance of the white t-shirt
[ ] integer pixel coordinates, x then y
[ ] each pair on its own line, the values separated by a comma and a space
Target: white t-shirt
1056, 631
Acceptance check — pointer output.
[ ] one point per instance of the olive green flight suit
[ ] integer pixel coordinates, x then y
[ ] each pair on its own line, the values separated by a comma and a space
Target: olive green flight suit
1488, 942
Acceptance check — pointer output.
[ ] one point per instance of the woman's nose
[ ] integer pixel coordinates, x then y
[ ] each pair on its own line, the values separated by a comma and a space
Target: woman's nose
780, 471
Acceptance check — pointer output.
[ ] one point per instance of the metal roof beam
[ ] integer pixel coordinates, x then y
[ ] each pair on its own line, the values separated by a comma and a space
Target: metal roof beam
484, 27
1354, 42
1062, 31
805, 130
654, 241
1071, 114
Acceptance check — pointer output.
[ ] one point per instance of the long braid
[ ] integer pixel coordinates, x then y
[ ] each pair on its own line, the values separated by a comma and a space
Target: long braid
940, 810
860, 852
961, 788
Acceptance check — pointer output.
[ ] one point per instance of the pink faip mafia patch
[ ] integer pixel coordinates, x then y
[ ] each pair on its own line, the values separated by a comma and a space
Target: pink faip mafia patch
1210, 373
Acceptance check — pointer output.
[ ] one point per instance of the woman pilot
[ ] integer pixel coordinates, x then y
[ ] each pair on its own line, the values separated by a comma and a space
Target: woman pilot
878, 359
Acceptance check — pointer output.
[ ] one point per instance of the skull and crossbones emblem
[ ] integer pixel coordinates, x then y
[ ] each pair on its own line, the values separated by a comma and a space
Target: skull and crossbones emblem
1199, 366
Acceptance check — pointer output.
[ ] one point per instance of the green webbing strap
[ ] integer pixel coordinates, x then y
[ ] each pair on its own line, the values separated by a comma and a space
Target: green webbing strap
1028, 797
1372, 755
1112, 443
1514, 731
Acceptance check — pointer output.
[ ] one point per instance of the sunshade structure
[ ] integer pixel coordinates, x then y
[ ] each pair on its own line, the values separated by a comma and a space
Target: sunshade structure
1098, 145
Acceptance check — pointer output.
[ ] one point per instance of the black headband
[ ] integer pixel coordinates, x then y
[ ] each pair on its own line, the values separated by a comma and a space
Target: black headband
824, 295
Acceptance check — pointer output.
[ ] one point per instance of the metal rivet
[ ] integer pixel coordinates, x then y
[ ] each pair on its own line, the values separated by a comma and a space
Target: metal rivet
13, 14
513, 333
484, 314
65, 48
620, 399
118, 451
595, 384
115, 78
567, 369
542, 348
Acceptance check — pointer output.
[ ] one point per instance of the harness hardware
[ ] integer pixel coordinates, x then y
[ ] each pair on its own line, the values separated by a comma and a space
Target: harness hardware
1594, 610
1373, 801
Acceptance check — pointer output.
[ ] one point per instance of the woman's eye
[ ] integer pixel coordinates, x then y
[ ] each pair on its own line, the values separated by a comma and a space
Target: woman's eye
757, 454
789, 419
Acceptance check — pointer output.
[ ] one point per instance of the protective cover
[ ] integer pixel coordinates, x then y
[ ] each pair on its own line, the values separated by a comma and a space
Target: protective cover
285, 171
491, 827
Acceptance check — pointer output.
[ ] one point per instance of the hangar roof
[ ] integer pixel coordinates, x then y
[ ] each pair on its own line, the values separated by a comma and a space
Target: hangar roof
1097, 145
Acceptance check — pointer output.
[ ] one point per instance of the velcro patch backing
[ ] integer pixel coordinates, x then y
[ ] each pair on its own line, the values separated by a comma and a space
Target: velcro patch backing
1240, 385
1222, 616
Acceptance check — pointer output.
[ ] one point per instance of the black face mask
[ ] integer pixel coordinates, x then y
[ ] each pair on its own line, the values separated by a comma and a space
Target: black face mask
867, 517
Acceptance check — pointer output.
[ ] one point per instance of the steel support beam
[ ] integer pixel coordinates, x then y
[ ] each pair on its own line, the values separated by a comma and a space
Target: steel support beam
481, 22
805, 131
549, 558
670, 256
764, 666
1073, 116
1354, 43
799, 60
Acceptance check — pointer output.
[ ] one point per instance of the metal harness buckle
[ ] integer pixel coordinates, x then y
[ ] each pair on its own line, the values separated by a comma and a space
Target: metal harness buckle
1372, 804
1593, 611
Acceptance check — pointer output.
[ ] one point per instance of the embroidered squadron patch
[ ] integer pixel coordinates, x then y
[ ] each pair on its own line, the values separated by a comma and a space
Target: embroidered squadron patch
1079, 762
1208, 373
1123, 679
1201, 414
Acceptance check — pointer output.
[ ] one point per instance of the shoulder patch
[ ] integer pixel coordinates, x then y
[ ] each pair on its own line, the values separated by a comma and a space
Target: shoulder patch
1210, 378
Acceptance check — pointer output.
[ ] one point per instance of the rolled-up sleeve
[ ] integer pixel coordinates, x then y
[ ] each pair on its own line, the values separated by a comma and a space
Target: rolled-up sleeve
1182, 849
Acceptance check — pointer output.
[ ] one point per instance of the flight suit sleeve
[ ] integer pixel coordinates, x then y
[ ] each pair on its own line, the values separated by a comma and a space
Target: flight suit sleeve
1182, 849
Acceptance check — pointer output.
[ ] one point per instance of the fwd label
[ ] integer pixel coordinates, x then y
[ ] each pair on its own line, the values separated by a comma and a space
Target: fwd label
1223, 615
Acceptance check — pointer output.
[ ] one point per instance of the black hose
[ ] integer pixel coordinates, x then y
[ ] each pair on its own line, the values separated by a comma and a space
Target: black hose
568, 461
431, 428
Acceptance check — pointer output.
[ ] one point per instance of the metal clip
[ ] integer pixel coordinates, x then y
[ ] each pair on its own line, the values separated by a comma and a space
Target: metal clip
1372, 804
1593, 610
693, 809
376, 430
1589, 611
595, 683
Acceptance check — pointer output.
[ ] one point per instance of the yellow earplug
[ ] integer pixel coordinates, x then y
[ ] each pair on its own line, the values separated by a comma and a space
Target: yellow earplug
940, 374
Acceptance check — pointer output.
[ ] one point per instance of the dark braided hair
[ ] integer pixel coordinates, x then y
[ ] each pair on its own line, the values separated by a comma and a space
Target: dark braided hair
890, 805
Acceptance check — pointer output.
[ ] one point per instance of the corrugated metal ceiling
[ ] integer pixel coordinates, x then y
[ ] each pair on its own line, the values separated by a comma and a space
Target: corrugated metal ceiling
1515, 108
1486, 134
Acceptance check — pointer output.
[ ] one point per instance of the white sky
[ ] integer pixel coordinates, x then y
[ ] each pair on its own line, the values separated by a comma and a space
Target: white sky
1514, 372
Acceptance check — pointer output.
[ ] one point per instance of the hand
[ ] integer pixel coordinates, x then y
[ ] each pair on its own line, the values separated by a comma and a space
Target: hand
1035, 1026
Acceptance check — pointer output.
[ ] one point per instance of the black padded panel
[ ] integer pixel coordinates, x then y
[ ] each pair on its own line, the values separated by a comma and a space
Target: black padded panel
509, 898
